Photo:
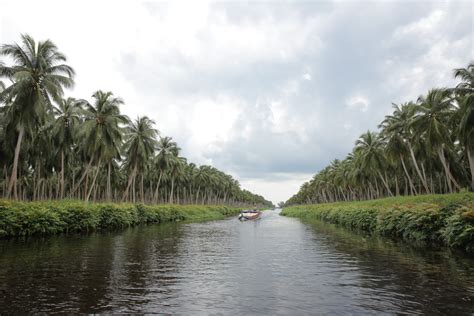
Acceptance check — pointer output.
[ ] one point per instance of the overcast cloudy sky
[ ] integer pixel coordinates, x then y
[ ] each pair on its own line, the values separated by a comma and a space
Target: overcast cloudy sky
268, 91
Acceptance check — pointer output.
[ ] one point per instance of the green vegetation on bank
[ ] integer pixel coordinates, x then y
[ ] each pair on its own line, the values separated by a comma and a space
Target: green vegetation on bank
55, 217
431, 219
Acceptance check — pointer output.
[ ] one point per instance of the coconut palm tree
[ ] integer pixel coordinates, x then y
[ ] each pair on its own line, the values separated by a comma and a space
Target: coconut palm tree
393, 132
139, 148
465, 130
467, 79
68, 113
370, 146
101, 132
400, 123
167, 149
176, 167
465, 113
38, 76
433, 112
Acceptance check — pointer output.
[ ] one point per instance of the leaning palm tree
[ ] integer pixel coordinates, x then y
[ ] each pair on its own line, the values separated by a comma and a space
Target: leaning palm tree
465, 112
434, 111
396, 147
465, 117
400, 124
38, 75
370, 146
139, 147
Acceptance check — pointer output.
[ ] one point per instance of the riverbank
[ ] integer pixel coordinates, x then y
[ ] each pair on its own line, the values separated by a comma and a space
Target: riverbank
442, 220
56, 217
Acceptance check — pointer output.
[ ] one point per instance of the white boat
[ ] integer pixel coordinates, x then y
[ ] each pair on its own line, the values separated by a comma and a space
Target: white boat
249, 215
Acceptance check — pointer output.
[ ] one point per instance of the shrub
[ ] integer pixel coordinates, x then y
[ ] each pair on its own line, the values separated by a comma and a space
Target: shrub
429, 219
45, 218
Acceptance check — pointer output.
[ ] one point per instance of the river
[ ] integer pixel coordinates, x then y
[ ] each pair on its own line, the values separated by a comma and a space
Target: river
275, 265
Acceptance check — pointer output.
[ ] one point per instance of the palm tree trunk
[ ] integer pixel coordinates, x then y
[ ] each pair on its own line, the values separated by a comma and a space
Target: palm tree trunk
130, 179
109, 187
385, 183
13, 178
133, 188
377, 188
407, 174
155, 196
397, 189
5, 172
83, 175
423, 180
172, 188
58, 187
449, 176
62, 174
470, 157
93, 181
197, 194
142, 194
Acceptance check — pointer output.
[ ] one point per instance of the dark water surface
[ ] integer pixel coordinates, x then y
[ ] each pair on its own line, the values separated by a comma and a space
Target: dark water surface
275, 265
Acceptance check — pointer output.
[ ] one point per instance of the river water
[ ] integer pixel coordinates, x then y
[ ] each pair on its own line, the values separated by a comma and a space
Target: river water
275, 265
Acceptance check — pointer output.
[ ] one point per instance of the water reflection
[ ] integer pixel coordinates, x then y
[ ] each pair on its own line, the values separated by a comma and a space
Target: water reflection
275, 265
411, 278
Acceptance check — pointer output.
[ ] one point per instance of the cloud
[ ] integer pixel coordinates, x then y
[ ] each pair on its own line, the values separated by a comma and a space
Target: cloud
358, 102
270, 92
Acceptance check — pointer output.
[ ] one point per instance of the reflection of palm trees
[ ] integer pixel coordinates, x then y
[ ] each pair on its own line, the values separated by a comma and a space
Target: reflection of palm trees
400, 272
65, 274
145, 266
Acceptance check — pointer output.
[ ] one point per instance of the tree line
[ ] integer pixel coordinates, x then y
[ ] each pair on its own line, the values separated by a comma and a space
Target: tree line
424, 147
52, 147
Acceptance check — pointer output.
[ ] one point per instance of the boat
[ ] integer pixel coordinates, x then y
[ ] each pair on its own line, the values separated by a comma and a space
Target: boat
249, 215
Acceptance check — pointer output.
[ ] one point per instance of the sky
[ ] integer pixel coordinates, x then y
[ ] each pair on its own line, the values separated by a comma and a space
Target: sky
267, 91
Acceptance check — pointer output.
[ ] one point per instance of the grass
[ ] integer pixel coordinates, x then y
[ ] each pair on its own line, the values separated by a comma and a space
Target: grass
56, 217
428, 219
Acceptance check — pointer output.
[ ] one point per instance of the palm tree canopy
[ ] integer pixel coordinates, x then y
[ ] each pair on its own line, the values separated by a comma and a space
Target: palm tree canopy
167, 149
140, 141
433, 113
370, 146
68, 113
38, 75
465, 114
102, 131
467, 78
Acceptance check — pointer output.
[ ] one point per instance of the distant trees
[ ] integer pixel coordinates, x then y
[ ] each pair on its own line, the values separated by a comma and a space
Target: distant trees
423, 147
53, 147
